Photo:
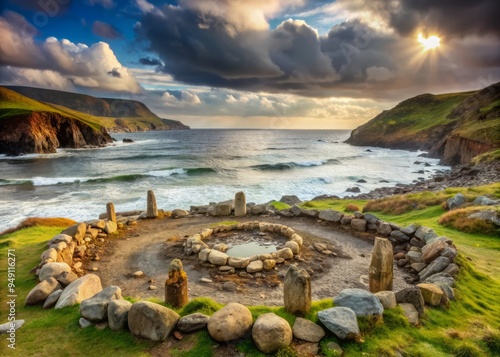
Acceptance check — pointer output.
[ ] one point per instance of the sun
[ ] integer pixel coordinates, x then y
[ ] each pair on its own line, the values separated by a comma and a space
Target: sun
430, 42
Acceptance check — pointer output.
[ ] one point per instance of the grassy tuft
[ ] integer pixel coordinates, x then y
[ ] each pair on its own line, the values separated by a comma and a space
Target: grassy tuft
38, 221
351, 208
459, 220
202, 304
280, 205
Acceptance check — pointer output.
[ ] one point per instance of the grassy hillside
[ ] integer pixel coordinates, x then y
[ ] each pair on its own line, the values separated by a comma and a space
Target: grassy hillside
112, 114
470, 327
451, 126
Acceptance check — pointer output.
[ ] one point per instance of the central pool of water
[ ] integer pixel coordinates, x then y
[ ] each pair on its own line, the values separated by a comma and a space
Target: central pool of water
248, 249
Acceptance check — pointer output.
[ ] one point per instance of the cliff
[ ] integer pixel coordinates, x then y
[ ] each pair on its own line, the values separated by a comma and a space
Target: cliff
116, 115
44, 132
454, 127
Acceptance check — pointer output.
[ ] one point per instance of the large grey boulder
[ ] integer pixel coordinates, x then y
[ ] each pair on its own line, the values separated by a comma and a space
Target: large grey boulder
229, 323
341, 321
330, 215
271, 333
151, 321
51, 300
95, 308
40, 292
436, 266
118, 314
425, 233
192, 322
297, 291
79, 290
53, 269
411, 296
306, 330
362, 302
455, 202
290, 200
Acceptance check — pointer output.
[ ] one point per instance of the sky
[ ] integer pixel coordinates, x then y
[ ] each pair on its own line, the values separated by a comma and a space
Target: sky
272, 64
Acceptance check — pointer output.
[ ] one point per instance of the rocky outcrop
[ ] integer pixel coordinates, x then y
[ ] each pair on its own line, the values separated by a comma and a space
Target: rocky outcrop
44, 132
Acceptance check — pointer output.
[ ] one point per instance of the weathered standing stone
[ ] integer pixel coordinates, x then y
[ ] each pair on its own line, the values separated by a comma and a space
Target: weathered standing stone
152, 208
79, 290
229, 323
362, 302
151, 321
381, 266
40, 292
110, 212
240, 204
271, 333
95, 308
306, 330
118, 314
192, 322
297, 291
341, 321
176, 286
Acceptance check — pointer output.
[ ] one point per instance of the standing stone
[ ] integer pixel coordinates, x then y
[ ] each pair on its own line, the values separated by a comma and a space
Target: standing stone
240, 204
297, 293
152, 209
381, 266
176, 286
110, 210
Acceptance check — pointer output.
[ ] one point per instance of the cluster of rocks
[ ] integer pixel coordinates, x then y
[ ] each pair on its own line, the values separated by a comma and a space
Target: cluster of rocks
216, 254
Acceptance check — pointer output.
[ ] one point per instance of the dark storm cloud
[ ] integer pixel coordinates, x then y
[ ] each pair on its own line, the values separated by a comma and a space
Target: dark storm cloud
105, 30
115, 73
150, 61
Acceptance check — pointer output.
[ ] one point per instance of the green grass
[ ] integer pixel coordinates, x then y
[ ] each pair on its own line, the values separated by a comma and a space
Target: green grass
489, 156
280, 205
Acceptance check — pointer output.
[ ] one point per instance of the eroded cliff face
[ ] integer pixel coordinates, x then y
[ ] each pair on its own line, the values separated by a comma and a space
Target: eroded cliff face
459, 150
44, 132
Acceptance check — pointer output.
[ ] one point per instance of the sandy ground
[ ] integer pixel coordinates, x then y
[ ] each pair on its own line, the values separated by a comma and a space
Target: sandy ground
152, 244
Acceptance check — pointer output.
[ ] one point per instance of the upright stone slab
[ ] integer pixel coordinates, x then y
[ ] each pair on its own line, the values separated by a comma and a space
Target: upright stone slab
240, 204
381, 266
152, 209
110, 211
297, 293
176, 289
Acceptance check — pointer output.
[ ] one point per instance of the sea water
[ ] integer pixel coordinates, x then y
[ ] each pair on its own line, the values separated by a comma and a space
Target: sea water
195, 167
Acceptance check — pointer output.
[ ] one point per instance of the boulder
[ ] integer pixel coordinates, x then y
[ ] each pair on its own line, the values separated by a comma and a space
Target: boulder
255, 266
258, 209
387, 299
269, 264
358, 224
58, 239
296, 210
346, 220
179, 213
66, 277
425, 233
51, 300
330, 215
306, 330
152, 208
40, 292
192, 322
432, 251
485, 201
49, 255
110, 212
223, 209
77, 231
229, 323
400, 236
410, 313
452, 269
414, 257
297, 291
240, 204
290, 200
151, 321
455, 202
381, 266
384, 228
294, 247
431, 293
418, 266
271, 333
297, 239
118, 314
285, 253
362, 302
203, 254
176, 285
436, 266
312, 213
95, 308
217, 258
52, 270
409, 230
238, 263
411, 296
79, 290
110, 227
341, 321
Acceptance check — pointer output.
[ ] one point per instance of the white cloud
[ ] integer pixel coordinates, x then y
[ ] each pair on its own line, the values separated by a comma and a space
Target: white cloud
144, 6
179, 99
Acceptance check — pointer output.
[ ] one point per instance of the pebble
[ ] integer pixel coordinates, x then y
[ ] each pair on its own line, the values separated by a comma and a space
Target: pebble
138, 274
206, 280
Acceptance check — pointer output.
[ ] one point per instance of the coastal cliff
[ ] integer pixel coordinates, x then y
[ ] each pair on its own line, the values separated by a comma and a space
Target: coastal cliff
44, 132
454, 127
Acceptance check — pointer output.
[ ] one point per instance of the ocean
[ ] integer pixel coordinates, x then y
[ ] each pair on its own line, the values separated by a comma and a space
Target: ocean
195, 167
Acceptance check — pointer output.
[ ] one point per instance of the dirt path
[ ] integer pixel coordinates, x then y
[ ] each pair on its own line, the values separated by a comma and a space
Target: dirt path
151, 245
